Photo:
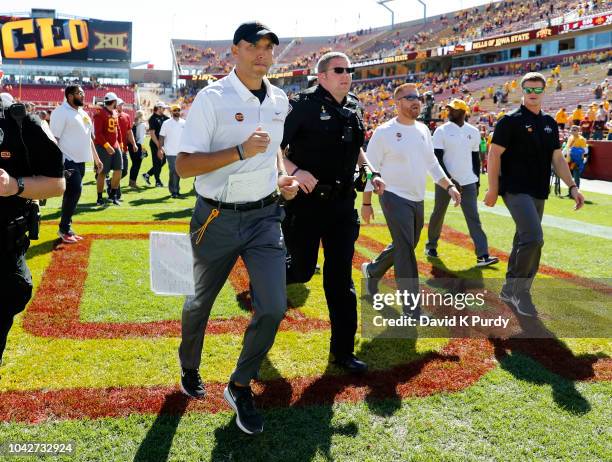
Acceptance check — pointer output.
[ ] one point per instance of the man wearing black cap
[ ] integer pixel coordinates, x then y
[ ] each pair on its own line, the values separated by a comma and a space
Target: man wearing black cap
230, 143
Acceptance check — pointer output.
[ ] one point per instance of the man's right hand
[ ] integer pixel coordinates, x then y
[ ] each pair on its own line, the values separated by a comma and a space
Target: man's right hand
6, 188
306, 180
256, 143
110, 150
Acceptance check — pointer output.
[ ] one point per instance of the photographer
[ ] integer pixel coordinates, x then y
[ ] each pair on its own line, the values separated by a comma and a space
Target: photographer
28, 171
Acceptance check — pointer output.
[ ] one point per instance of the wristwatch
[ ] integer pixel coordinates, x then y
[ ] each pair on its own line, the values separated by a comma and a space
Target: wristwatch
20, 186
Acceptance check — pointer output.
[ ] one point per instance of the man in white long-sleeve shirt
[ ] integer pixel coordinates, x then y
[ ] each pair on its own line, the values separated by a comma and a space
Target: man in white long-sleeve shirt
402, 151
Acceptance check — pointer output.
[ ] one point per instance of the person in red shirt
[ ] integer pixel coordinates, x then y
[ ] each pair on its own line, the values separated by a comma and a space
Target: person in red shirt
586, 125
127, 137
107, 138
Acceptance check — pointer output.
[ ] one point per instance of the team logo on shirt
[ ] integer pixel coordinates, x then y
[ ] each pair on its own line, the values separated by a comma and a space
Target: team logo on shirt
398, 135
547, 129
529, 129
239, 116
5, 154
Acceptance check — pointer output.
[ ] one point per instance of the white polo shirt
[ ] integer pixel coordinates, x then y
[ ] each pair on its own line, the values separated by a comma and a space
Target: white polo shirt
403, 154
73, 128
458, 144
172, 130
224, 115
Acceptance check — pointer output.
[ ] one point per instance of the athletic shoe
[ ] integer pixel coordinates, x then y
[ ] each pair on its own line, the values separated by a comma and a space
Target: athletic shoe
147, 178
431, 253
159, 184
67, 238
521, 303
371, 284
174, 196
101, 202
241, 400
75, 235
133, 184
191, 383
524, 305
486, 260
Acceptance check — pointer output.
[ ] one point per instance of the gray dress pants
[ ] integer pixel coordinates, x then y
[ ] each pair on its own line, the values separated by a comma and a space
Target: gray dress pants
256, 236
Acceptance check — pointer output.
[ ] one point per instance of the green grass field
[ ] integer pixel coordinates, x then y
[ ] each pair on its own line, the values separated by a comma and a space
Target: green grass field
93, 359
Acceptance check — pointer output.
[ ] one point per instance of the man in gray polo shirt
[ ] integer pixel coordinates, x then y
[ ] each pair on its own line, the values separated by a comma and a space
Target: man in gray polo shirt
231, 144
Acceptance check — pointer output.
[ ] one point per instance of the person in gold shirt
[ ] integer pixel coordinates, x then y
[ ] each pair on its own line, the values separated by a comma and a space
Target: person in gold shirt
577, 115
576, 153
561, 118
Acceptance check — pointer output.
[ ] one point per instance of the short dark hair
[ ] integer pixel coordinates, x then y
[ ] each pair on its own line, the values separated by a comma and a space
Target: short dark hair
533, 77
70, 89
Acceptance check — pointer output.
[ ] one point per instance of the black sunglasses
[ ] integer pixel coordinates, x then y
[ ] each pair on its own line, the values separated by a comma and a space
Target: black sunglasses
412, 98
342, 70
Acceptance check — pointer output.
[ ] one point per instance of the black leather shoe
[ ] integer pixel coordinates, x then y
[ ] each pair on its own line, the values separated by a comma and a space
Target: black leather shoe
352, 365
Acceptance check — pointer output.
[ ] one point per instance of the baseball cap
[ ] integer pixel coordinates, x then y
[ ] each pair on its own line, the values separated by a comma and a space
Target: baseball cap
175, 107
119, 101
459, 105
252, 32
160, 104
111, 96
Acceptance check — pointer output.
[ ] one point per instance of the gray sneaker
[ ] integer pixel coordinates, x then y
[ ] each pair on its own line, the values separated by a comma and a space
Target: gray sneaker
371, 284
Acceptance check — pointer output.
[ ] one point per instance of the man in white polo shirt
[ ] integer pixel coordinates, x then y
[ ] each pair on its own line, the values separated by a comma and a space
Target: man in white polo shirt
402, 151
169, 139
456, 145
72, 128
231, 144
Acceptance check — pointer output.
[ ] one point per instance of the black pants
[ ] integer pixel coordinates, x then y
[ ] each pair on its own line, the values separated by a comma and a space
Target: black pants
17, 287
335, 223
157, 163
136, 158
74, 173
124, 168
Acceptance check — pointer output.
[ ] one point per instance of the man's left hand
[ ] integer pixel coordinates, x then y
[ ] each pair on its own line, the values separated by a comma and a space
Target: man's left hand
288, 186
379, 185
578, 198
455, 196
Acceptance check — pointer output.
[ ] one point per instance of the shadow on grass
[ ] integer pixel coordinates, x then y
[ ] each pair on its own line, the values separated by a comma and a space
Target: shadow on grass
156, 445
173, 214
41, 248
547, 361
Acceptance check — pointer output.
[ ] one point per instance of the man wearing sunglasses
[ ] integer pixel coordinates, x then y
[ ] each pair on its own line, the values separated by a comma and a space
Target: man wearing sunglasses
525, 143
403, 149
324, 135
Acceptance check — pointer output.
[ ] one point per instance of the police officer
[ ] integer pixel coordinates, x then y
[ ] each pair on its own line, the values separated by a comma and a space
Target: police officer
324, 133
31, 167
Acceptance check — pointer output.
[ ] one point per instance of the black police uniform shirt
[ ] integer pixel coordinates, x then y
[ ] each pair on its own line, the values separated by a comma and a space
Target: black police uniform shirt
156, 121
529, 140
324, 136
45, 158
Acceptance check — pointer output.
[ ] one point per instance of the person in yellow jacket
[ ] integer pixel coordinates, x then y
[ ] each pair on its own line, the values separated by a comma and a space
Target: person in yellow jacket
561, 118
577, 115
